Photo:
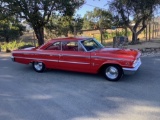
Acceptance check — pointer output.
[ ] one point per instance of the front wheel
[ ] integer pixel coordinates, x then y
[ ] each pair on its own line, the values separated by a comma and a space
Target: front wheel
38, 66
112, 72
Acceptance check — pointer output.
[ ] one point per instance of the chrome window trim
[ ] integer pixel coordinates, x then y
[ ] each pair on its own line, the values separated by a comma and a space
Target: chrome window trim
98, 42
80, 42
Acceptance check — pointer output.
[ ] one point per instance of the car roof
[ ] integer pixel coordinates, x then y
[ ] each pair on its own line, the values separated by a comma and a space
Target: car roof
70, 38
63, 39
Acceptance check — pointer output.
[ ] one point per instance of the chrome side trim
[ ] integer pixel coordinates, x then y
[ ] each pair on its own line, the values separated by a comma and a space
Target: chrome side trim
74, 62
27, 53
37, 59
110, 58
47, 54
35, 53
69, 55
28, 48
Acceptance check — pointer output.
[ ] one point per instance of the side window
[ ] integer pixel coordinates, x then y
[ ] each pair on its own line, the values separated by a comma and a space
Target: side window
55, 46
70, 46
90, 45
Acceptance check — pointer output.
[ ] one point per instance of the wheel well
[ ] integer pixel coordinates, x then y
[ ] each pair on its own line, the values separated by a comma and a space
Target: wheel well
105, 65
36, 61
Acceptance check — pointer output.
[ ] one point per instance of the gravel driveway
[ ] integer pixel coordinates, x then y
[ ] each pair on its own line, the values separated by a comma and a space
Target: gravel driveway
61, 95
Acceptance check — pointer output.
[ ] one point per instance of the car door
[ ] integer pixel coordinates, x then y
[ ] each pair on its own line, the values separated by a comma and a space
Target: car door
51, 55
74, 59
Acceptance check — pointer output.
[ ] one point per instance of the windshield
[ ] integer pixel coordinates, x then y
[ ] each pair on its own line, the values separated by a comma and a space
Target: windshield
91, 44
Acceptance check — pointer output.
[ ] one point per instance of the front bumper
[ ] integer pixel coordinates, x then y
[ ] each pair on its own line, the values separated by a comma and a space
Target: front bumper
128, 71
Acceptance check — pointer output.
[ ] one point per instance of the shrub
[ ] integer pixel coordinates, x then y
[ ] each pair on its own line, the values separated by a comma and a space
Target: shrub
14, 45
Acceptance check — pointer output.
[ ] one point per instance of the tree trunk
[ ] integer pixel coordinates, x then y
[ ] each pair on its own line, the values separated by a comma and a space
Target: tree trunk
134, 38
149, 31
39, 31
7, 41
66, 35
153, 31
146, 33
126, 32
135, 34
101, 38
101, 35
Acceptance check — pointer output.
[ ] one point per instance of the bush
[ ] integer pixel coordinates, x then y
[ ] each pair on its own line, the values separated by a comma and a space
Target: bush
14, 45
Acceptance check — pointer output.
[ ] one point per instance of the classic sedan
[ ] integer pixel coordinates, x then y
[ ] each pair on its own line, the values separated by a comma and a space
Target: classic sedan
81, 55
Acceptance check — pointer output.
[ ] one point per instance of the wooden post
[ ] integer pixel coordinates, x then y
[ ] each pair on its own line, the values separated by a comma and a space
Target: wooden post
146, 33
149, 31
101, 33
158, 29
153, 31
34, 39
126, 32
75, 33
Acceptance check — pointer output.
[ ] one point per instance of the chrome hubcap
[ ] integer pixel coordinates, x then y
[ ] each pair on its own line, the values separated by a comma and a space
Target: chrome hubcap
112, 72
38, 66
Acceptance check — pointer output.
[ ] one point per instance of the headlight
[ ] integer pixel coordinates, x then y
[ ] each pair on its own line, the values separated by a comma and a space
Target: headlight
136, 62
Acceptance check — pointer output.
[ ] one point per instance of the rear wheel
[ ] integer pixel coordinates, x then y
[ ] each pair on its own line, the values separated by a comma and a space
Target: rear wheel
112, 72
38, 66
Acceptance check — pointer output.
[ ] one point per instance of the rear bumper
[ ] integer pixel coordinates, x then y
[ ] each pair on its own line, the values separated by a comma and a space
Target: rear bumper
12, 58
129, 71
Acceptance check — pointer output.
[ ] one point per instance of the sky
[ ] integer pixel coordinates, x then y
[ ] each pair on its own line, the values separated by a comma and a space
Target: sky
90, 5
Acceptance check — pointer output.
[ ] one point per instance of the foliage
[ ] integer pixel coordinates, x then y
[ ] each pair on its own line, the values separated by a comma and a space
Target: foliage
62, 25
139, 11
10, 30
98, 19
13, 45
78, 24
108, 35
38, 12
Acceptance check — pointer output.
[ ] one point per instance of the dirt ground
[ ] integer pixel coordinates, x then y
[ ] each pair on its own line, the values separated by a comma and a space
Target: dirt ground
155, 43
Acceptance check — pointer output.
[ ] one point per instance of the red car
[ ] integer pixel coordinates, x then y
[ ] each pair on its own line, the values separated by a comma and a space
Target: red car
81, 55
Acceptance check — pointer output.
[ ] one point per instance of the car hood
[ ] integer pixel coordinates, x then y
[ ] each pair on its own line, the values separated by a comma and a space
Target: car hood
120, 53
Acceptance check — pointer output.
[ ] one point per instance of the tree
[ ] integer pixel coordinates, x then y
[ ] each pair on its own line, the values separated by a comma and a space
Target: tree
98, 19
10, 30
77, 25
117, 22
38, 12
58, 25
139, 11
62, 25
